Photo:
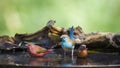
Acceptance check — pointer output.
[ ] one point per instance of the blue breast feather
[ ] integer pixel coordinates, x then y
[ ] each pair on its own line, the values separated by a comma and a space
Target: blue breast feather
67, 45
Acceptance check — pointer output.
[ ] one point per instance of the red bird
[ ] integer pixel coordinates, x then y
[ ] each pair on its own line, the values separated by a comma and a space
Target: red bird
82, 51
37, 51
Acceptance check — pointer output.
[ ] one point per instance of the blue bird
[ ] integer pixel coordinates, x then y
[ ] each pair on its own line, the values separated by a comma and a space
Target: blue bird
67, 44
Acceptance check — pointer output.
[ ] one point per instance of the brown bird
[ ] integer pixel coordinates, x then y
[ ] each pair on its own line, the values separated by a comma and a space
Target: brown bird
82, 51
36, 50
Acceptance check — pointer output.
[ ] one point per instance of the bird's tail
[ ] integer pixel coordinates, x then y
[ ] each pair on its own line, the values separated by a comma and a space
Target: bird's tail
71, 34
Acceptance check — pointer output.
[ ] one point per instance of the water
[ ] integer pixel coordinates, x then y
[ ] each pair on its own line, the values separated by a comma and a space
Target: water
56, 59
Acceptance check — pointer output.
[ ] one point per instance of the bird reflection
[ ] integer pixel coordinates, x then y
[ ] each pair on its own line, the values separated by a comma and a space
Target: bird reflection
39, 61
82, 61
67, 61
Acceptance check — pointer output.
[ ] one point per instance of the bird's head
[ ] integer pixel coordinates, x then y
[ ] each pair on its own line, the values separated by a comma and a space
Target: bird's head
30, 45
82, 47
51, 23
64, 37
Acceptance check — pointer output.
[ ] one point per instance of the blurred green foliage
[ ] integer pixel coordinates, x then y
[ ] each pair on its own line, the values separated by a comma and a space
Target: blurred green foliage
28, 16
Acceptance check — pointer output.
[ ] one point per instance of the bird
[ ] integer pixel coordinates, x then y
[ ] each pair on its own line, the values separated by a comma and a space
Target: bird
36, 50
82, 51
68, 41
67, 44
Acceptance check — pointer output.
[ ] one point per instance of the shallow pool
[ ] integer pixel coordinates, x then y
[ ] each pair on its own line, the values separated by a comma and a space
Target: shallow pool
56, 59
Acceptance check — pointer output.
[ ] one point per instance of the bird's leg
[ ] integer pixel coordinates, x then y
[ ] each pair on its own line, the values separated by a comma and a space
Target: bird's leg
72, 51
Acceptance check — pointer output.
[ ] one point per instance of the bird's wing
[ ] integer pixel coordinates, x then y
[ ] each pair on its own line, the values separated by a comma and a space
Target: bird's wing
71, 41
40, 49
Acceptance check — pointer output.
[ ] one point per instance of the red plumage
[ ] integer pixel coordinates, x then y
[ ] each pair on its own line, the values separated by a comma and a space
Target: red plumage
37, 51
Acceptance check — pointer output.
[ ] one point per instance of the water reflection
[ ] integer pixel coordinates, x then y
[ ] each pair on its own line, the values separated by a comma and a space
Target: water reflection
39, 61
53, 59
6, 59
82, 61
67, 61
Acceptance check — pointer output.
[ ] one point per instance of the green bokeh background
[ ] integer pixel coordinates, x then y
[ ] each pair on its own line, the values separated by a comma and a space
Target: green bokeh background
28, 16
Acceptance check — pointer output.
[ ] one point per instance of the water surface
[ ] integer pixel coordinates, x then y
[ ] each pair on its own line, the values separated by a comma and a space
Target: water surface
56, 59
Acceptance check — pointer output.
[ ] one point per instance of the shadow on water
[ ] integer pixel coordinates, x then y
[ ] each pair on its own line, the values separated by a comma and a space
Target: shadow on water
56, 59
